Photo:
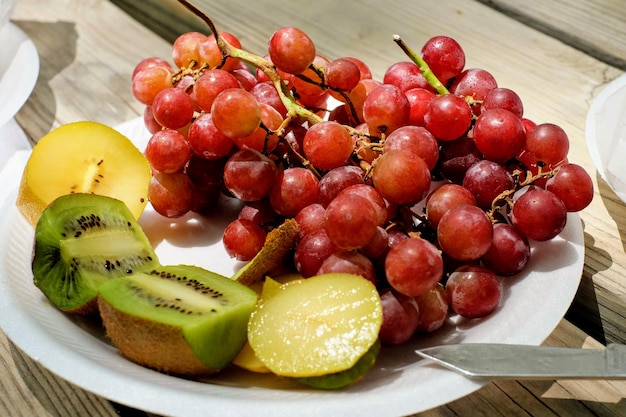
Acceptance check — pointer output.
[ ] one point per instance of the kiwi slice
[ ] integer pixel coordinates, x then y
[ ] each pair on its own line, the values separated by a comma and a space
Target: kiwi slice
177, 319
81, 241
342, 379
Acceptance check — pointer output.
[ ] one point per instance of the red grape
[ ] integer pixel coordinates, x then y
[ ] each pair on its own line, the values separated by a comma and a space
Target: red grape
486, 180
465, 232
291, 50
400, 317
473, 291
349, 262
243, 239
327, 145
413, 266
509, 251
172, 108
444, 56
539, 214
416, 139
499, 134
385, 109
401, 177
236, 112
350, 221
444, 198
572, 185
433, 307
295, 189
249, 175
448, 117
167, 151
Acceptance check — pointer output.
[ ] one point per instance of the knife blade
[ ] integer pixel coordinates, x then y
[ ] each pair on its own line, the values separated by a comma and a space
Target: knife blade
506, 361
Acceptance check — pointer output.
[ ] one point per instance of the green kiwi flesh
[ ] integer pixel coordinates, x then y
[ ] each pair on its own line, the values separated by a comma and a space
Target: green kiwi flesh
342, 379
156, 318
81, 241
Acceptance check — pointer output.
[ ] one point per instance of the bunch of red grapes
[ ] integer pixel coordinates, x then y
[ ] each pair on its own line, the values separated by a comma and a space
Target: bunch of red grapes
429, 182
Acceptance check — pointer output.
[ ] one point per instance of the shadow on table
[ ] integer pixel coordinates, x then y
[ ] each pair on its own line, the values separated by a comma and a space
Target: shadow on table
584, 311
56, 46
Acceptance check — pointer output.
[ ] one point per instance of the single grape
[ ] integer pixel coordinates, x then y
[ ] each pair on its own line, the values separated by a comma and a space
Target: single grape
149, 63
465, 232
243, 239
342, 74
434, 309
349, 262
310, 219
327, 145
295, 189
401, 177
385, 109
206, 140
311, 251
509, 251
350, 221
504, 98
444, 56
448, 117
547, 143
246, 79
444, 198
291, 50
149, 82
249, 175
413, 266
337, 179
416, 139
209, 85
366, 73
236, 112
210, 53
185, 49
473, 291
499, 134
400, 317
173, 108
266, 93
572, 185
168, 151
486, 180
406, 75
373, 196
474, 83
171, 195
539, 214
418, 103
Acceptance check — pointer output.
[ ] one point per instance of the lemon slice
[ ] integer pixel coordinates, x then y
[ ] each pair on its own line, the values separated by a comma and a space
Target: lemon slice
83, 157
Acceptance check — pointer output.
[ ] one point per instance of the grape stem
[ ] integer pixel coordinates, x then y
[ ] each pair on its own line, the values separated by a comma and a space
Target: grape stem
504, 198
423, 66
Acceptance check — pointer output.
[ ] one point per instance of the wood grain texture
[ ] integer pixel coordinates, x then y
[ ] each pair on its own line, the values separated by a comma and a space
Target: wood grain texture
88, 49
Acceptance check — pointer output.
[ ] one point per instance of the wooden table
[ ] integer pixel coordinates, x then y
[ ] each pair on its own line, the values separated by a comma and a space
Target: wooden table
556, 55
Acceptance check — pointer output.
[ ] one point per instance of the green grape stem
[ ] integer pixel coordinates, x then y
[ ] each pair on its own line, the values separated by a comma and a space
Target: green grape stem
423, 66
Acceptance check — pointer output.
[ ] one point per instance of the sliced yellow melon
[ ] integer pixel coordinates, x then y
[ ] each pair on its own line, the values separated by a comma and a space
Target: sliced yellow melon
83, 157
316, 326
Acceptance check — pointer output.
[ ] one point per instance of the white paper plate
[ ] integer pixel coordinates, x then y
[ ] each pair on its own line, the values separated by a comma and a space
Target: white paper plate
19, 68
400, 384
606, 135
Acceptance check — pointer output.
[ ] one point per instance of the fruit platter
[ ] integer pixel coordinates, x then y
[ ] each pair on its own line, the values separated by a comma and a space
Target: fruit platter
284, 229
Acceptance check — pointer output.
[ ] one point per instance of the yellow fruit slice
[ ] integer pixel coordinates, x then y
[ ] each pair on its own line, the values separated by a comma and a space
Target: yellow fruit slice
316, 326
83, 157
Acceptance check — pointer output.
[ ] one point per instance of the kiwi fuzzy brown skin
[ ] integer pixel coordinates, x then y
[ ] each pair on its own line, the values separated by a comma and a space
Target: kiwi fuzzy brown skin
81, 241
177, 319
